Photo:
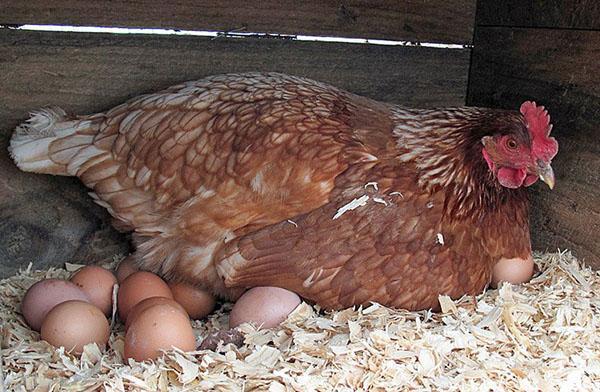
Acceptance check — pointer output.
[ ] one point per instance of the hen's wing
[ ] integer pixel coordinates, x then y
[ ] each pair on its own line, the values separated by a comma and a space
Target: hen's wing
394, 249
203, 162
252, 148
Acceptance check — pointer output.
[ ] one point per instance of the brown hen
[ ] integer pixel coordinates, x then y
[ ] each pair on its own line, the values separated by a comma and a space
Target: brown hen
253, 179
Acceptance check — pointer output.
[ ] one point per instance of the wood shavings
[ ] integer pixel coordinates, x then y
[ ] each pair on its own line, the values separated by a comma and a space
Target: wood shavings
374, 184
113, 316
189, 370
354, 204
264, 356
543, 335
439, 238
380, 201
73, 267
447, 305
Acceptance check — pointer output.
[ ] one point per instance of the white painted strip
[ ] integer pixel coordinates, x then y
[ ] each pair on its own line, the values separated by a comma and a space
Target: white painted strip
234, 34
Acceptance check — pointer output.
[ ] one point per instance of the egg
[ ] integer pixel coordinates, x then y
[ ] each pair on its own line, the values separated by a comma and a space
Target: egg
137, 287
46, 294
98, 284
126, 267
513, 270
159, 327
197, 303
265, 307
73, 324
147, 303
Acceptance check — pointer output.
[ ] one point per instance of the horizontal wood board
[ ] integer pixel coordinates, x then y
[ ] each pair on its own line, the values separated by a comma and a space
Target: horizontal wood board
52, 220
91, 72
413, 20
561, 70
564, 14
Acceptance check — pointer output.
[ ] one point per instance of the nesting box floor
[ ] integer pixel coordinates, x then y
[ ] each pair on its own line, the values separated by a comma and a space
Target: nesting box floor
543, 335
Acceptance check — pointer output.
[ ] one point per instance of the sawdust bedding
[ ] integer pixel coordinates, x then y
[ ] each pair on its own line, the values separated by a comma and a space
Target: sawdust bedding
543, 335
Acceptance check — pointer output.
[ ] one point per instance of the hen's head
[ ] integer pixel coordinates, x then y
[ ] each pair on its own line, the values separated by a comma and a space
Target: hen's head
520, 153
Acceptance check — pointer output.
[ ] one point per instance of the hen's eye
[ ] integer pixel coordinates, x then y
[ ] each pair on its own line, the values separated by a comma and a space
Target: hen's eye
511, 143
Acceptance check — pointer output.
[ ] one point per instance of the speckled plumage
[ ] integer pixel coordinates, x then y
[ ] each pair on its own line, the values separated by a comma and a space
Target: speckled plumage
233, 181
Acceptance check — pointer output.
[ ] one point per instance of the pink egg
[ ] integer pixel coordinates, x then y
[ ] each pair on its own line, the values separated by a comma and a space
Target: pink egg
137, 287
265, 307
197, 303
46, 294
514, 270
97, 283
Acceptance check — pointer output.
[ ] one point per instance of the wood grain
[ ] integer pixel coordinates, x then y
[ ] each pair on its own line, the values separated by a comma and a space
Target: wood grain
91, 72
414, 20
570, 14
86, 73
561, 70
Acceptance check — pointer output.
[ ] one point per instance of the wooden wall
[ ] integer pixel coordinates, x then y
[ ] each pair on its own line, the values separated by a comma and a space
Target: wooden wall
549, 51
48, 220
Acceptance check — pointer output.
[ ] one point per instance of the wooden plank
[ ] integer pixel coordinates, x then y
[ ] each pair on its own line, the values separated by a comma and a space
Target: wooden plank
92, 72
560, 69
574, 14
51, 219
413, 20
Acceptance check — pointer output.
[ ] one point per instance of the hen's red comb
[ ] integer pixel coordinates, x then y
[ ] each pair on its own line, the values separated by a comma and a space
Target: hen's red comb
538, 124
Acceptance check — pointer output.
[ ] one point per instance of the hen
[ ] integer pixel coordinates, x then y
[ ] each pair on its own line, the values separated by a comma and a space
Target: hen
254, 179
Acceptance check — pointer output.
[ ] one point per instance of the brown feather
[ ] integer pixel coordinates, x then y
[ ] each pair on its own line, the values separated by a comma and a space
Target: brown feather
244, 174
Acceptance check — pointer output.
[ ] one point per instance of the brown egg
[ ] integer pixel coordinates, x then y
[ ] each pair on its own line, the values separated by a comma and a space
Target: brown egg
515, 271
46, 294
137, 287
265, 307
147, 303
97, 283
160, 327
73, 324
126, 267
197, 303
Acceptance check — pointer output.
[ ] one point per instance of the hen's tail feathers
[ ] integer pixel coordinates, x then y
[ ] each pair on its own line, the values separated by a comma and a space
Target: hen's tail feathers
49, 141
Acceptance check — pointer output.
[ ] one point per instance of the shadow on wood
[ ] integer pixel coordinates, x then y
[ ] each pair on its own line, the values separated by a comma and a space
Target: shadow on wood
561, 70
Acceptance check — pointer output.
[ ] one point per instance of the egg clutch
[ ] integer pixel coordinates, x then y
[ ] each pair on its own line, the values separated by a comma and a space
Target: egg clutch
156, 315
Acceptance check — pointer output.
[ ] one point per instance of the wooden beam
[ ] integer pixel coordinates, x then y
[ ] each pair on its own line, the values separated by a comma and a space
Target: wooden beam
561, 70
413, 20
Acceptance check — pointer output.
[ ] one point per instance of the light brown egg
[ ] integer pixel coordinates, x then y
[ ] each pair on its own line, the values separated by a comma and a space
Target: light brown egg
160, 327
46, 294
515, 271
73, 324
197, 303
147, 303
265, 307
126, 267
137, 287
98, 284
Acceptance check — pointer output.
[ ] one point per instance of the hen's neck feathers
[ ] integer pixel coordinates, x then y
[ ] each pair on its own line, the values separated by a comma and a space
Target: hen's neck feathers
445, 146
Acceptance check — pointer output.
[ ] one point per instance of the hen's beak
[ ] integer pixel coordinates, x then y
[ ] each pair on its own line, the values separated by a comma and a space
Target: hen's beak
547, 175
